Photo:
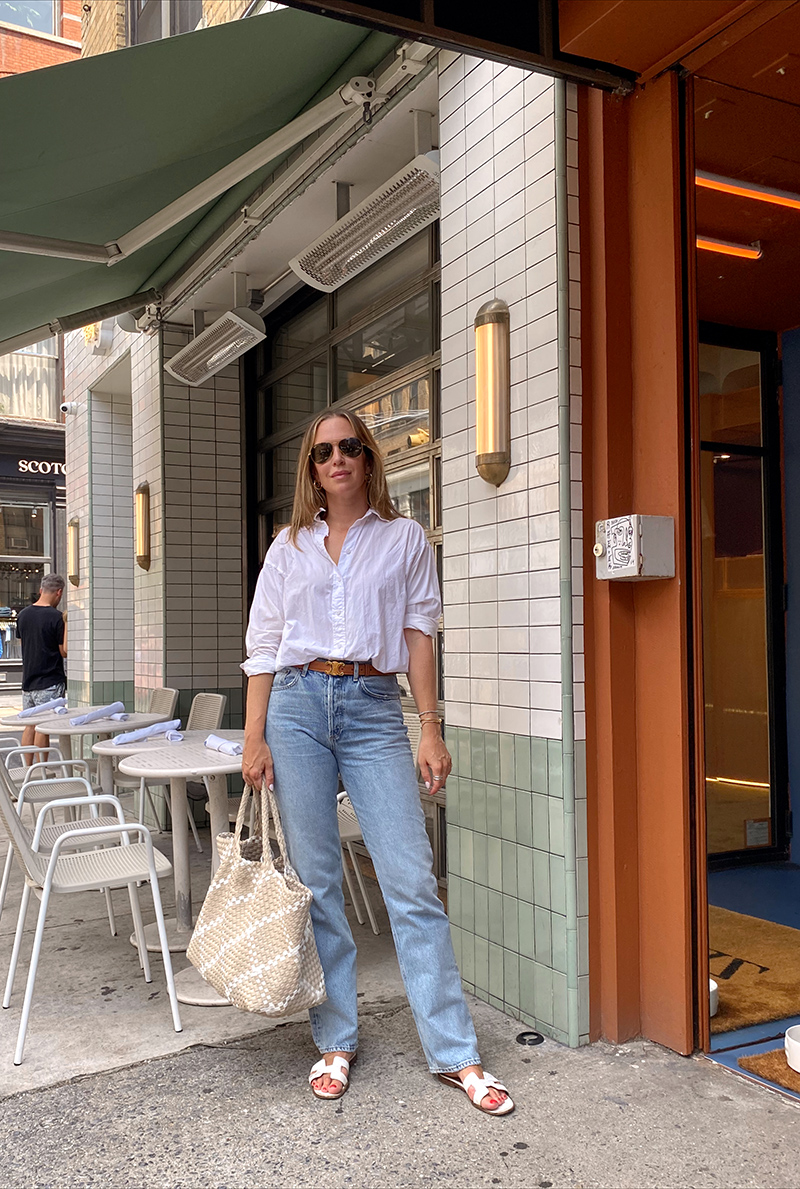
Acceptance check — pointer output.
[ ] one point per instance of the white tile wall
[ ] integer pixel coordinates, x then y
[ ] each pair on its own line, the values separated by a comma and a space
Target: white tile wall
502, 639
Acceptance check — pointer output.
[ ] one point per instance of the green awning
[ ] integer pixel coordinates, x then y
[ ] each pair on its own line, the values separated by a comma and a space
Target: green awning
92, 148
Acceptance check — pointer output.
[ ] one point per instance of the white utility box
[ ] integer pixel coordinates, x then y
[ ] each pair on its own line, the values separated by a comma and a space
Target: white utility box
634, 546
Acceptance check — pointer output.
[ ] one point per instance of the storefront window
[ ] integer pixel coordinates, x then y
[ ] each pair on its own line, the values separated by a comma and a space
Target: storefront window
24, 531
296, 397
408, 261
410, 490
301, 333
400, 419
19, 586
391, 342
29, 382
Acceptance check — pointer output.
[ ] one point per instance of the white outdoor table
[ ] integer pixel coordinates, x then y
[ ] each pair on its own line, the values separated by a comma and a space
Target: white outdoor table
60, 725
177, 763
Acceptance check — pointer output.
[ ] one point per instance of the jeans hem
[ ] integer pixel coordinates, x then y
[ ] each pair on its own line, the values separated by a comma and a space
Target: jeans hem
337, 1049
455, 1068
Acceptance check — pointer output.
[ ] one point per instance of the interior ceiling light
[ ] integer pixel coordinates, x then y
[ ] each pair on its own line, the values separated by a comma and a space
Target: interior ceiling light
404, 205
713, 181
726, 248
217, 346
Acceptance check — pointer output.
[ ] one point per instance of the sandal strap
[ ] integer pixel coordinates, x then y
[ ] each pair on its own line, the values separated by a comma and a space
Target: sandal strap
338, 1070
482, 1086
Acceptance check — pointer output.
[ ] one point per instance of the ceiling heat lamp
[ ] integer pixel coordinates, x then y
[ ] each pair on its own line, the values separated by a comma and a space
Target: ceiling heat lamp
404, 205
220, 343
726, 248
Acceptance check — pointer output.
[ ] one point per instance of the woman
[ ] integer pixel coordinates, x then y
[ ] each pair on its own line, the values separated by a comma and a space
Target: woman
347, 598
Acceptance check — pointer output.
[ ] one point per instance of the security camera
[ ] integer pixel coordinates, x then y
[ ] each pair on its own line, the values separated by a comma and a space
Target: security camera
69, 406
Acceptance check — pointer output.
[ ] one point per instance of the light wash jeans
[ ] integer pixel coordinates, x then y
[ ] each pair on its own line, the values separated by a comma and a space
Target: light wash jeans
317, 727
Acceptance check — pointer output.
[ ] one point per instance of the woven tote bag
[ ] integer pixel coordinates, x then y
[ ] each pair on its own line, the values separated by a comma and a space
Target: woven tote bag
253, 941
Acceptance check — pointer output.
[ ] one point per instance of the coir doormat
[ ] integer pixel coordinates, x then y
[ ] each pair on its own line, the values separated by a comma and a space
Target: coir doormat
756, 965
773, 1067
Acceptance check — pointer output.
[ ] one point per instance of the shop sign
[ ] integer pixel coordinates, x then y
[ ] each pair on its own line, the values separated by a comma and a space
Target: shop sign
34, 467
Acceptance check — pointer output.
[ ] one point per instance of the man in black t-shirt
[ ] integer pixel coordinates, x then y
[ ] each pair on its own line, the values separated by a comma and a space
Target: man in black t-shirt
43, 633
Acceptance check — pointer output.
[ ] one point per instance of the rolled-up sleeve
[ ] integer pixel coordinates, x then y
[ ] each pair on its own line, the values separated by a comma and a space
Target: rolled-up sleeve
265, 626
423, 599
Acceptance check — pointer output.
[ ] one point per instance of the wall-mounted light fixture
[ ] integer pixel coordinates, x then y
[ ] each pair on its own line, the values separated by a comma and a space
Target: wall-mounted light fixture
74, 551
493, 391
742, 189
142, 510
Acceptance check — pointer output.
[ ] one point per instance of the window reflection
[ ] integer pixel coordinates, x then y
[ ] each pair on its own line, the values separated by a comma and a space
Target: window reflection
410, 490
400, 419
300, 334
298, 395
730, 395
23, 531
390, 342
280, 470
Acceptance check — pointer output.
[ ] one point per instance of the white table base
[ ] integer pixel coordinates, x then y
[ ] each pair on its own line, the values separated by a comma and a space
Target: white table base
192, 988
177, 938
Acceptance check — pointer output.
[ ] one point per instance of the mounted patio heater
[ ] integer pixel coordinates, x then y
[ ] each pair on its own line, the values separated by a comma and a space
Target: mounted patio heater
217, 346
404, 205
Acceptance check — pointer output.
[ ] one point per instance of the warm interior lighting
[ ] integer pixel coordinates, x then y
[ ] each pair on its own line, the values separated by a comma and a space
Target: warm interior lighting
74, 551
713, 181
726, 248
493, 391
142, 510
747, 784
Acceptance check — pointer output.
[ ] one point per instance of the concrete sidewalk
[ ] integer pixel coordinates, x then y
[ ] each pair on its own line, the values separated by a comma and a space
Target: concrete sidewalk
110, 1095
241, 1115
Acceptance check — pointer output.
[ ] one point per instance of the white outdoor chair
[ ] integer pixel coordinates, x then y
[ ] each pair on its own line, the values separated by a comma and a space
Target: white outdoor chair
205, 714
350, 832
38, 792
82, 871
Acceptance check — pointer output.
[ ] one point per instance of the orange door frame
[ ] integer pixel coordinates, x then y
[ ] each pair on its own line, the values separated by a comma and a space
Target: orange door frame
640, 741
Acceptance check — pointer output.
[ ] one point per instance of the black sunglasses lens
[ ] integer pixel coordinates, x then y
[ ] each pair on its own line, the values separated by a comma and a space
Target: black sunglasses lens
350, 447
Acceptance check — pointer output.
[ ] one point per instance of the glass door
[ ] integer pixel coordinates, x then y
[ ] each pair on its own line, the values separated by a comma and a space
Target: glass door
742, 583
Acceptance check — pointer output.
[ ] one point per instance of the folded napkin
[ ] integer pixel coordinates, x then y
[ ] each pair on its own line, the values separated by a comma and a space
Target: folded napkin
96, 715
217, 743
53, 704
174, 736
158, 728
119, 717
61, 710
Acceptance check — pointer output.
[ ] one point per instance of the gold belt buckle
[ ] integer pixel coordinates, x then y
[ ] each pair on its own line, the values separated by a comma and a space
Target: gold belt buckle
335, 668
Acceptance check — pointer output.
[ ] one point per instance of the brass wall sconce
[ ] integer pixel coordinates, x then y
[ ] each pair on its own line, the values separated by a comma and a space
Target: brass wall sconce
493, 391
142, 518
74, 551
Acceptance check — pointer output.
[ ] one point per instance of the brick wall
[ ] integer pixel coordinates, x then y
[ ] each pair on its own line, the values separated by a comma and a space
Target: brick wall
217, 12
103, 26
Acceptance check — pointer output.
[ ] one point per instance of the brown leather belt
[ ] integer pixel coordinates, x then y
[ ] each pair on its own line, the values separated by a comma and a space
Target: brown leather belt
344, 668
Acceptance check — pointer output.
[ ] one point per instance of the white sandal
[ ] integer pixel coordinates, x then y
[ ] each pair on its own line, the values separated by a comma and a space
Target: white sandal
338, 1071
482, 1088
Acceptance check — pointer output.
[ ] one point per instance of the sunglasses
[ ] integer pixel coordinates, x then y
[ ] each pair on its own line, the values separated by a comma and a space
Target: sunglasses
350, 448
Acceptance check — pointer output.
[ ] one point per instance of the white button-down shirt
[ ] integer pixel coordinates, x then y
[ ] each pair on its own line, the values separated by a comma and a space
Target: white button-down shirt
306, 606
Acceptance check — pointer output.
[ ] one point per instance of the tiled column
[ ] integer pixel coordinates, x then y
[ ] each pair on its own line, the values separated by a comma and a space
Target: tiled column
202, 526
100, 496
506, 821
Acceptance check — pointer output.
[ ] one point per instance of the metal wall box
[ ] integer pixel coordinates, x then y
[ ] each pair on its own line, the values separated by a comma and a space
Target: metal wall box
633, 547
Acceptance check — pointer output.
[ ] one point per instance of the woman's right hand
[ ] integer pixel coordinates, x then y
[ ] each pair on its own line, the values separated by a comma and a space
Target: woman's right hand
257, 764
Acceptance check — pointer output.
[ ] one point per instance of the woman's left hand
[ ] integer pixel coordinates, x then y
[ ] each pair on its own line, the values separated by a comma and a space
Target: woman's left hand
434, 760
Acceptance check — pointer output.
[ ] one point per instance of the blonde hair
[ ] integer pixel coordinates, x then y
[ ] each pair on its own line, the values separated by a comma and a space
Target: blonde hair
308, 496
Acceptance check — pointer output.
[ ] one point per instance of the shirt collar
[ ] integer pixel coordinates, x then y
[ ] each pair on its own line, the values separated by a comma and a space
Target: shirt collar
320, 525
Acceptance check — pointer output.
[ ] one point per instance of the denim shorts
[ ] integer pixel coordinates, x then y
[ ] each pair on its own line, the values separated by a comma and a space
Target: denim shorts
38, 697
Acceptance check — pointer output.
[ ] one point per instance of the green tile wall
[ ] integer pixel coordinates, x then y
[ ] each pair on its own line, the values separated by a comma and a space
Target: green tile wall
506, 875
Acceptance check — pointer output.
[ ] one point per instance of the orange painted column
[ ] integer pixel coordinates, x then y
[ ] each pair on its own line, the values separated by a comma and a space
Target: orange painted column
638, 725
